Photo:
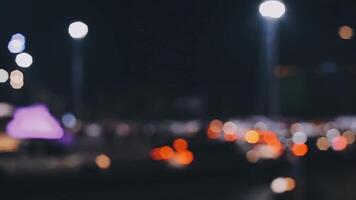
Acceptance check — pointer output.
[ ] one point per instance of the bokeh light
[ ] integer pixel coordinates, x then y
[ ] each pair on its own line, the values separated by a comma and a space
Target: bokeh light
215, 129
279, 185
69, 120
103, 161
272, 9
16, 79
339, 143
253, 156
155, 155
123, 129
4, 76
8, 144
183, 158
346, 32
350, 136
252, 136
24, 60
19, 36
299, 149
291, 183
332, 133
299, 137
17, 43
166, 152
78, 30
93, 130
6, 110
323, 144
16, 46
229, 128
230, 131
180, 144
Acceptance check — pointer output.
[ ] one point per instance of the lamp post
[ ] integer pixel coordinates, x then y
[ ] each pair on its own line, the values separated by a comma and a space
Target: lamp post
77, 31
271, 11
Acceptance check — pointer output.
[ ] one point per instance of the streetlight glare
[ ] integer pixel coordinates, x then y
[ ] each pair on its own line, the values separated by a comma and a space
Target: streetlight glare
272, 9
78, 30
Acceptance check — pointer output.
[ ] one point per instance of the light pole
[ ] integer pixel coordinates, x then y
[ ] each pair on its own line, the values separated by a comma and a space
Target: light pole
77, 30
271, 11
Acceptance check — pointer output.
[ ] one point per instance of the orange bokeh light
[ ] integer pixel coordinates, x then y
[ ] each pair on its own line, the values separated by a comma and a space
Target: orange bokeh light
180, 144
214, 129
155, 154
8, 144
299, 149
276, 146
230, 137
346, 32
269, 137
166, 152
290, 183
103, 161
185, 157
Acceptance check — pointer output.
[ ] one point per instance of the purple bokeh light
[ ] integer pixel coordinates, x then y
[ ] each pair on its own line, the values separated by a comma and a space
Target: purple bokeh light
34, 122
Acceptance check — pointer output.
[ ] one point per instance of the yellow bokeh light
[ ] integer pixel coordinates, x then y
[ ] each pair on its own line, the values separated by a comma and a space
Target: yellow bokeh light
252, 136
350, 136
8, 144
323, 144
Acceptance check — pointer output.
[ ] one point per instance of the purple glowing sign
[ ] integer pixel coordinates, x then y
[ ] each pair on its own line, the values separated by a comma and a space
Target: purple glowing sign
34, 122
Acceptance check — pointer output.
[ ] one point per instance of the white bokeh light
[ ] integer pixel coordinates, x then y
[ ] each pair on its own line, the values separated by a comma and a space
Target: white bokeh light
18, 36
93, 130
332, 133
16, 46
299, 138
272, 9
78, 30
4, 76
279, 185
24, 60
69, 120
16, 85
6, 109
16, 79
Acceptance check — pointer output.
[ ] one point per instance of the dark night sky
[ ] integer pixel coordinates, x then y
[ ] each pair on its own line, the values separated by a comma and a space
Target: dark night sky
142, 53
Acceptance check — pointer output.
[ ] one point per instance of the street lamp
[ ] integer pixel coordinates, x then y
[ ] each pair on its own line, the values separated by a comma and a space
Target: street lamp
77, 31
271, 11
